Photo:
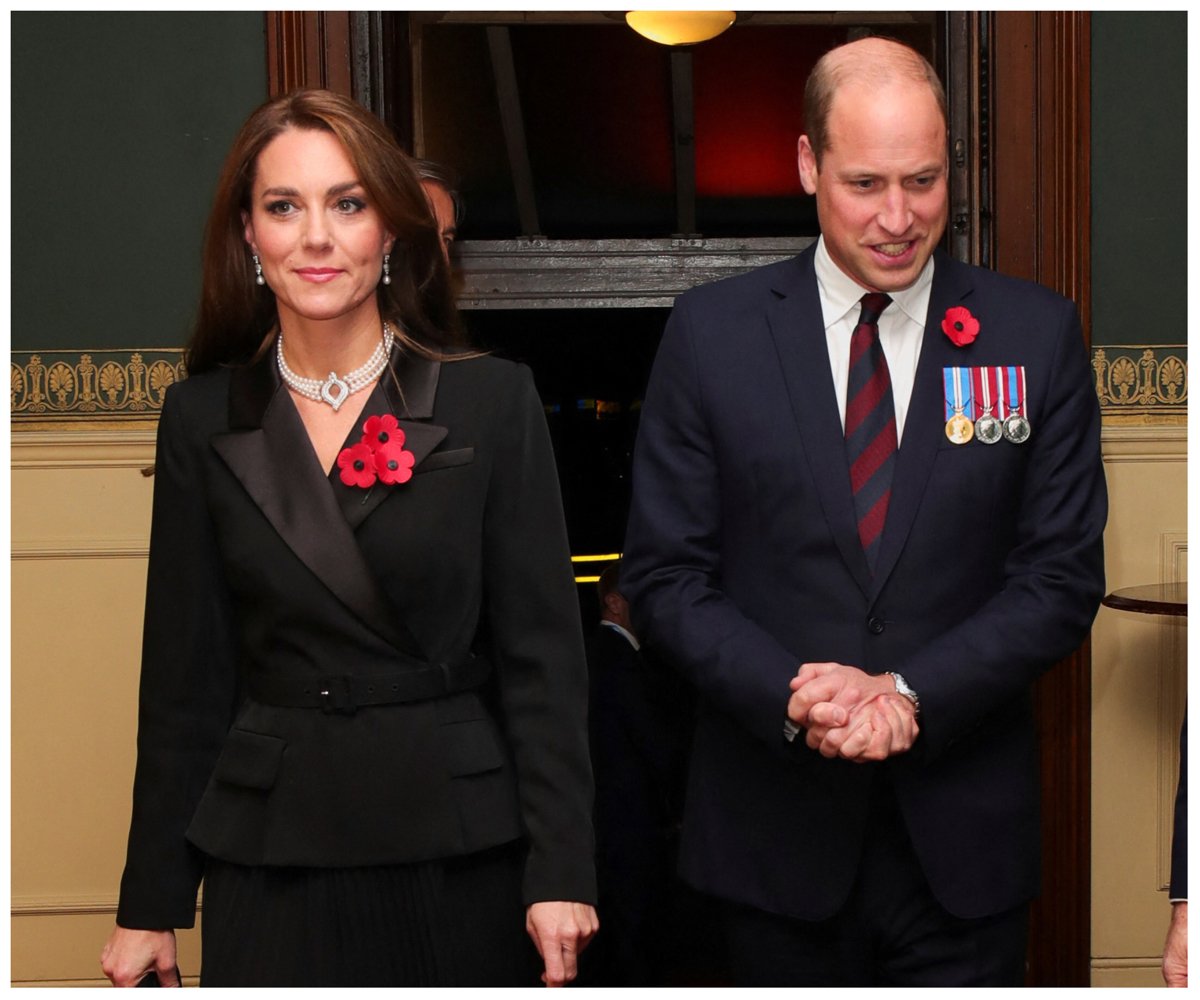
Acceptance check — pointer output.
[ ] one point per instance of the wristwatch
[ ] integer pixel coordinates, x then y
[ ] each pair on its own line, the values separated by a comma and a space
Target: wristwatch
904, 690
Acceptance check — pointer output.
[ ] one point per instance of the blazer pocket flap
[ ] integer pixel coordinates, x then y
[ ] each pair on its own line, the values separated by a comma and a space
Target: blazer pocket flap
472, 748
446, 460
250, 760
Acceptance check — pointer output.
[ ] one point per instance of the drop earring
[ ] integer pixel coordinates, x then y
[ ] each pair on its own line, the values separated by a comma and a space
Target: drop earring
258, 278
387, 277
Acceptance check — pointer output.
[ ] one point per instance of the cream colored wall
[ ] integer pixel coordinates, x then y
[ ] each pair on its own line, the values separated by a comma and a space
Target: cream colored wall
1139, 665
80, 530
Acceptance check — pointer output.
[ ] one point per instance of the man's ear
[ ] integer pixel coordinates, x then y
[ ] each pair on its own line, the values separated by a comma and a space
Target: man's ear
806, 159
617, 608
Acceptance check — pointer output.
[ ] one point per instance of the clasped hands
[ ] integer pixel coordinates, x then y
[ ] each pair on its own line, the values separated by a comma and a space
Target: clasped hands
851, 714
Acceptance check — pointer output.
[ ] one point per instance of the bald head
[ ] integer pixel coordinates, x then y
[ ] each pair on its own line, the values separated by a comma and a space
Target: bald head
870, 64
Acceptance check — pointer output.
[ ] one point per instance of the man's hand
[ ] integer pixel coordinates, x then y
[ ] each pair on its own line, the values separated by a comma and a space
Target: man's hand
851, 714
130, 955
560, 931
1174, 960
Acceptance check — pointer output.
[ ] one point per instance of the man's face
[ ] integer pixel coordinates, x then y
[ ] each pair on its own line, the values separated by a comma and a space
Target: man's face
443, 211
881, 188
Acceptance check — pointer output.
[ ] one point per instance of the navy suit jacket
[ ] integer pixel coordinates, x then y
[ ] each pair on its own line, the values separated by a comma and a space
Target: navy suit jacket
263, 569
743, 561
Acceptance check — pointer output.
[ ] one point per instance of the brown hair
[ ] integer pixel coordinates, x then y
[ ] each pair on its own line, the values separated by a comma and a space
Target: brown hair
838, 66
237, 317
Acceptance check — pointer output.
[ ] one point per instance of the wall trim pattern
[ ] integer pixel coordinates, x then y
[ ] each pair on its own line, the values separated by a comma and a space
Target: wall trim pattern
91, 384
1138, 380
1141, 379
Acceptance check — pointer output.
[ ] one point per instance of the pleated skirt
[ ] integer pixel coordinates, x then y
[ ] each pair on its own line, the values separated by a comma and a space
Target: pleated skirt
449, 922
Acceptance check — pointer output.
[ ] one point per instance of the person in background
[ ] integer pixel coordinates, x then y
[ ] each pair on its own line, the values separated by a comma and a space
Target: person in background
362, 714
444, 201
1174, 960
639, 723
868, 512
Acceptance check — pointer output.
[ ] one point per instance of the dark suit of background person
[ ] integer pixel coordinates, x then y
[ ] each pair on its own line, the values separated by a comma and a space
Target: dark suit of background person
1174, 964
743, 562
269, 582
639, 720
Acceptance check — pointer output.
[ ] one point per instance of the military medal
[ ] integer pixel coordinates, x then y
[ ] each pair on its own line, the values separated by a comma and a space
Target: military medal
959, 428
1016, 426
987, 428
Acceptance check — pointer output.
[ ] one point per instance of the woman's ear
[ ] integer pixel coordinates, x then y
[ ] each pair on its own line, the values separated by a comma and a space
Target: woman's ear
248, 231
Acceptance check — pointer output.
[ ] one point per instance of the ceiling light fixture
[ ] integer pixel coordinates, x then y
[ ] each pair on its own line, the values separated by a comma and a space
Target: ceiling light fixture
679, 27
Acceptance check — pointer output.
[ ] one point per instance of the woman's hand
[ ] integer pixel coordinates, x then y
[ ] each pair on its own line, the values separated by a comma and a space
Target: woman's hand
560, 930
129, 955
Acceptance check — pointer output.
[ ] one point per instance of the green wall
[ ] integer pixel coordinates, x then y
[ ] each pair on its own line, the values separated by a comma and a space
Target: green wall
1139, 178
120, 122
1139, 215
119, 125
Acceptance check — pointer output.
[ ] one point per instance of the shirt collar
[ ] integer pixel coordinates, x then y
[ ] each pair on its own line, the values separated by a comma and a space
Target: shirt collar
840, 293
629, 636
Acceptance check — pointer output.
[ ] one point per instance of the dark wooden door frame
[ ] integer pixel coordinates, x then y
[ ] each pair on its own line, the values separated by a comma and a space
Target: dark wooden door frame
1040, 77
1035, 76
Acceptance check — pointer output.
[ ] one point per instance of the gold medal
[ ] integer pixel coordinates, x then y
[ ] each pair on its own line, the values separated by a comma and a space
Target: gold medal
959, 429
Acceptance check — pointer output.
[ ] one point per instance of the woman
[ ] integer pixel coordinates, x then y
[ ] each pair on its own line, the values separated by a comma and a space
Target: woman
362, 715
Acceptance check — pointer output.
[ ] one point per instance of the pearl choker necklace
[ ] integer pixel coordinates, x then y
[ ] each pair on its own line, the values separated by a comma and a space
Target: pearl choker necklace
336, 390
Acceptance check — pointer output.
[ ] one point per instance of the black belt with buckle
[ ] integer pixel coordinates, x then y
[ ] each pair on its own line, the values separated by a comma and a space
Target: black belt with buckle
346, 693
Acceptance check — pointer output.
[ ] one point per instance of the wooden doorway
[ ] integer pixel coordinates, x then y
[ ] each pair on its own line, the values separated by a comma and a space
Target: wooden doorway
1023, 120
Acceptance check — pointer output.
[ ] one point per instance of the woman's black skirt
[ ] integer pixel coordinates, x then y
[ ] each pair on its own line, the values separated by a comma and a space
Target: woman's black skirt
450, 922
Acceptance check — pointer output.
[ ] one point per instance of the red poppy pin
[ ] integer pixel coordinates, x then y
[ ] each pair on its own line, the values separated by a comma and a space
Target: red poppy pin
379, 455
960, 326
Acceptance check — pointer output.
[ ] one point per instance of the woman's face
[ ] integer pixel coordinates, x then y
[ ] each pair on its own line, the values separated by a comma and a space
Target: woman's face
320, 242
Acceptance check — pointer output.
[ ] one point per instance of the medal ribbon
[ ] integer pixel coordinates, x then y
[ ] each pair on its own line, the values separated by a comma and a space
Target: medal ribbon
958, 389
1014, 380
981, 379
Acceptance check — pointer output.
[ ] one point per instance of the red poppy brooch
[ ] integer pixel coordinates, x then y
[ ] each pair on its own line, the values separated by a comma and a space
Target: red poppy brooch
379, 455
960, 326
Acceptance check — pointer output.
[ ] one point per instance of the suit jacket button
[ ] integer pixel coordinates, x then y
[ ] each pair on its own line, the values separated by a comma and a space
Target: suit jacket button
875, 625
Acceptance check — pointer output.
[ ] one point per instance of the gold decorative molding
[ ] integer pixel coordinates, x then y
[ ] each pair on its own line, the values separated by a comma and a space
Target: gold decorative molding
53, 905
52, 548
1141, 379
49, 385
57, 905
1151, 442
82, 448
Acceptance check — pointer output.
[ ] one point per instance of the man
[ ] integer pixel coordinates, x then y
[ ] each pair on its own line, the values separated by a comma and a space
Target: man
819, 544
639, 719
444, 201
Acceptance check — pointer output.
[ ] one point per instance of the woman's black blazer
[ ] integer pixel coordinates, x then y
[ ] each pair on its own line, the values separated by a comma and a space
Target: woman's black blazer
266, 575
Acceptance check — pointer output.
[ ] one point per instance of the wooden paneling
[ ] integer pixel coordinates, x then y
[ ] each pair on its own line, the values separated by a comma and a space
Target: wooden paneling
1041, 80
308, 49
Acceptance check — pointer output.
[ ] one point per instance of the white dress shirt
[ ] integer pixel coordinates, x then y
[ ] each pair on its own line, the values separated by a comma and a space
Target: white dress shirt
629, 636
901, 328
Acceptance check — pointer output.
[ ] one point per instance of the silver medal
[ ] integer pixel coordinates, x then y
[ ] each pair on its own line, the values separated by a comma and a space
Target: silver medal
988, 429
1016, 428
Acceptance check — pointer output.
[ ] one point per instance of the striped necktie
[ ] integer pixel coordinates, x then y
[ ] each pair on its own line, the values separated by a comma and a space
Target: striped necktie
870, 425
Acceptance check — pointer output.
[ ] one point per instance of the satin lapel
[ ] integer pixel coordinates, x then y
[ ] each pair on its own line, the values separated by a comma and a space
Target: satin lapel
269, 451
924, 427
799, 335
408, 395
